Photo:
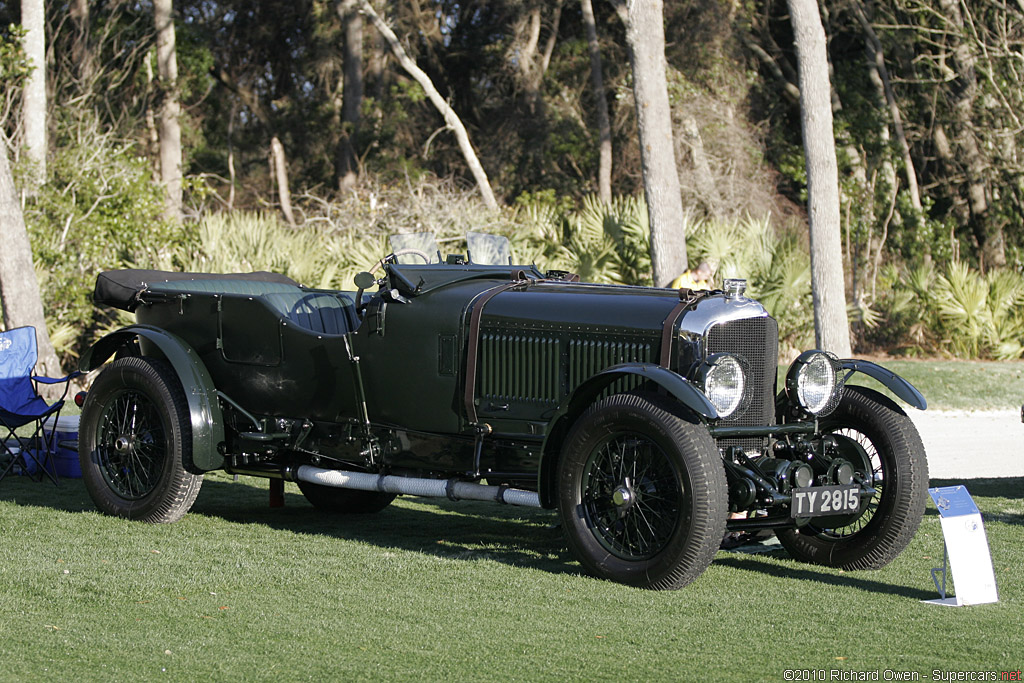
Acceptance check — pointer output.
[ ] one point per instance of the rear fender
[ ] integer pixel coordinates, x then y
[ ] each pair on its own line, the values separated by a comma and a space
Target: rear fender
677, 386
200, 393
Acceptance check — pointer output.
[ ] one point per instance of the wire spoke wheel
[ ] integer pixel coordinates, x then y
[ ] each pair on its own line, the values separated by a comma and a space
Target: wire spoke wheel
641, 493
885, 448
632, 496
132, 445
135, 442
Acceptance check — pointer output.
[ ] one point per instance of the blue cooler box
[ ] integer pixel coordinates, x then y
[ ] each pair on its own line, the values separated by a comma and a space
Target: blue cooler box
66, 441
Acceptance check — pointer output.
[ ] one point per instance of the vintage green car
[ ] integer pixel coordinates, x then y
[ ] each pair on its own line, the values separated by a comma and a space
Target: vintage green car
649, 418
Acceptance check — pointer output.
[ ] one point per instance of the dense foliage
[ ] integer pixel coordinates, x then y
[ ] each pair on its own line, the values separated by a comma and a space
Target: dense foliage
926, 104
100, 210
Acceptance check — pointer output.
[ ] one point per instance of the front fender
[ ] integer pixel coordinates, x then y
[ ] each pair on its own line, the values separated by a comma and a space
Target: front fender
200, 393
893, 382
586, 393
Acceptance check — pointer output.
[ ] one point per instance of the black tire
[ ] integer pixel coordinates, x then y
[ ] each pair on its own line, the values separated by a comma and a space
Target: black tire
135, 436
899, 473
667, 521
344, 501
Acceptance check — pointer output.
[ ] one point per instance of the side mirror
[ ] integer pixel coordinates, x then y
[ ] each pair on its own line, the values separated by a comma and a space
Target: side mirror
365, 280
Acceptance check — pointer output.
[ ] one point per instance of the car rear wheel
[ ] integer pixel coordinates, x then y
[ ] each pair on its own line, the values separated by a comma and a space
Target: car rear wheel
642, 493
892, 460
345, 501
135, 436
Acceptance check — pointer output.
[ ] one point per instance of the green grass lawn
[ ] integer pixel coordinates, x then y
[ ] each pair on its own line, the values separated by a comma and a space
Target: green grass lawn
454, 591
434, 590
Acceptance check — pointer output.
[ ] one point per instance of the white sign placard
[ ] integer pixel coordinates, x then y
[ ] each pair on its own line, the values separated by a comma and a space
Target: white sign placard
966, 547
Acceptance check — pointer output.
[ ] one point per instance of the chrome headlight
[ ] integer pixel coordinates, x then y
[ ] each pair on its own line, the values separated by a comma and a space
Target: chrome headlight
814, 382
724, 380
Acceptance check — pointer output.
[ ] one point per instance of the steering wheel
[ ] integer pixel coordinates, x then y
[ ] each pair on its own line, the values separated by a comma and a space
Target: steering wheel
393, 255
401, 252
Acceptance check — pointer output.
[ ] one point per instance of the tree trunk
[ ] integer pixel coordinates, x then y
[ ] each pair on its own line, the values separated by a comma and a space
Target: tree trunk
703, 178
279, 164
19, 288
231, 156
152, 135
376, 69
170, 127
33, 20
377, 65
789, 89
831, 327
450, 117
277, 159
880, 77
81, 50
604, 128
645, 35
944, 151
969, 154
526, 57
532, 63
347, 163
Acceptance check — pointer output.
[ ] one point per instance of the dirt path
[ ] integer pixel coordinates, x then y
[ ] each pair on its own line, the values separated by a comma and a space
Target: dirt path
969, 445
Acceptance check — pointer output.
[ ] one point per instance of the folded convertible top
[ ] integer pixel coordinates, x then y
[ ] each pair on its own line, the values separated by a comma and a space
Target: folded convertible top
122, 288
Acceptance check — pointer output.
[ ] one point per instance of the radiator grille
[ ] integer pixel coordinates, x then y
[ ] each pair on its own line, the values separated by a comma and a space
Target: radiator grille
519, 368
757, 341
589, 357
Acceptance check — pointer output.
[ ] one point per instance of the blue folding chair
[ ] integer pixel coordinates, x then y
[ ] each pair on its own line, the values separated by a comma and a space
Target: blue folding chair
21, 405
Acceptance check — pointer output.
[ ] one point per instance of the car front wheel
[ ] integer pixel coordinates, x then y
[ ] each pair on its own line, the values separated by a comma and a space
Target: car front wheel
878, 434
642, 493
135, 437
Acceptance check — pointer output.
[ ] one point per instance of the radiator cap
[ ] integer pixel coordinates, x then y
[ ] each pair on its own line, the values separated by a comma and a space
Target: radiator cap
734, 288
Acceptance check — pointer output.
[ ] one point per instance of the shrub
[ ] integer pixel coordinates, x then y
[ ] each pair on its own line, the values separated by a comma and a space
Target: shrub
101, 204
599, 243
983, 315
775, 263
958, 312
98, 209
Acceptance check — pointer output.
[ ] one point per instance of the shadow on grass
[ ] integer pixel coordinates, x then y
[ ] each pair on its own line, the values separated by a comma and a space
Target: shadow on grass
69, 495
522, 537
991, 487
806, 573
517, 536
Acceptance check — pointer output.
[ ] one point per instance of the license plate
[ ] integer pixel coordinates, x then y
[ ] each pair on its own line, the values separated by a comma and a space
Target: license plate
816, 501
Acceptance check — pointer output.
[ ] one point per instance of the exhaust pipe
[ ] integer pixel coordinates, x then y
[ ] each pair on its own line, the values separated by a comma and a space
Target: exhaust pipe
452, 489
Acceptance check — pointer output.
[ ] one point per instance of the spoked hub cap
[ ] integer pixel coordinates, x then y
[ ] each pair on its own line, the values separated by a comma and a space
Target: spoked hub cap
131, 445
631, 496
623, 498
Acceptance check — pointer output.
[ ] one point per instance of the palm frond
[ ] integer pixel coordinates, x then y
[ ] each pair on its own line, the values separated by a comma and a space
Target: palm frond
961, 295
